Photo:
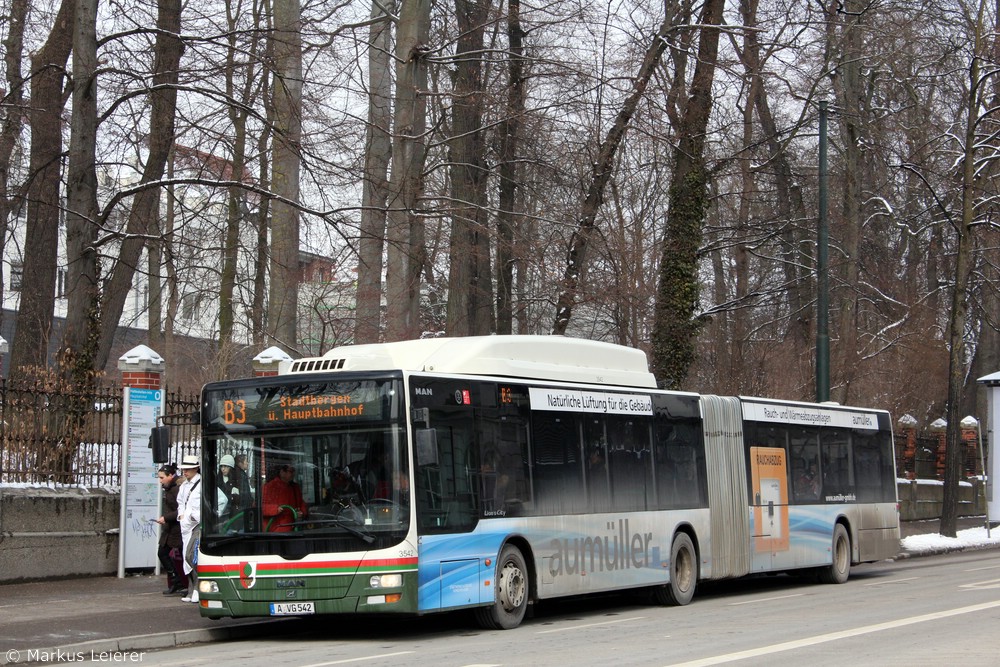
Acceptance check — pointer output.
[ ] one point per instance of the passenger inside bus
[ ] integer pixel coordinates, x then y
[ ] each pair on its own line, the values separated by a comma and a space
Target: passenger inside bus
283, 504
398, 491
371, 470
807, 482
494, 482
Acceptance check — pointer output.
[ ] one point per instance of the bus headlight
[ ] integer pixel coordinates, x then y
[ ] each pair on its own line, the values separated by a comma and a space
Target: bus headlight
386, 581
208, 586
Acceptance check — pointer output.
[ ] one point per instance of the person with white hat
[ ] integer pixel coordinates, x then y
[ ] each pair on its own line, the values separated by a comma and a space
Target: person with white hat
189, 515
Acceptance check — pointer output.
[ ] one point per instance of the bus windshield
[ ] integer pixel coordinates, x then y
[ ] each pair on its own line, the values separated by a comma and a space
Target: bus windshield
331, 476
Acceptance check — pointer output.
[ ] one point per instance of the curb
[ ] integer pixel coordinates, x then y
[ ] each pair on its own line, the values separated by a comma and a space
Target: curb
904, 555
117, 646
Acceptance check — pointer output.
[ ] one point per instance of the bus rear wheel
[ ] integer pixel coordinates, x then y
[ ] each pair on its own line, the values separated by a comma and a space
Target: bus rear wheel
510, 593
683, 574
840, 569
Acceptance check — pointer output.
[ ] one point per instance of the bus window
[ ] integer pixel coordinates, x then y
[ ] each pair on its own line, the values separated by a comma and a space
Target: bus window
596, 446
680, 466
837, 469
558, 470
629, 464
873, 468
503, 475
803, 447
445, 485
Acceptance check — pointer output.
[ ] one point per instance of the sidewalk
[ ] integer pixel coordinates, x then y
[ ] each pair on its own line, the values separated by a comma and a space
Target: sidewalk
45, 619
48, 619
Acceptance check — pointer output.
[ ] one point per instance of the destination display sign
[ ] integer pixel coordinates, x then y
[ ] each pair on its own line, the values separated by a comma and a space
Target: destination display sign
250, 406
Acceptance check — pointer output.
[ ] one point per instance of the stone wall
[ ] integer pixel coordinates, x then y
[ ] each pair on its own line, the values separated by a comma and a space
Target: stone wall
922, 499
47, 533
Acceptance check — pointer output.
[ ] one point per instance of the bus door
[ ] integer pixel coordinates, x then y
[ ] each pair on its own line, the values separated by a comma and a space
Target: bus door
769, 502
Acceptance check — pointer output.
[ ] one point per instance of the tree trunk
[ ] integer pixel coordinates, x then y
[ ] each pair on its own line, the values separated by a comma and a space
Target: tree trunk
80, 335
510, 142
847, 85
675, 326
960, 294
171, 280
282, 312
34, 316
378, 151
10, 129
145, 206
237, 212
405, 227
470, 284
258, 309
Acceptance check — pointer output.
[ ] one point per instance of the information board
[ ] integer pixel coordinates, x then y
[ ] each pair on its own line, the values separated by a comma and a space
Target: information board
993, 447
140, 502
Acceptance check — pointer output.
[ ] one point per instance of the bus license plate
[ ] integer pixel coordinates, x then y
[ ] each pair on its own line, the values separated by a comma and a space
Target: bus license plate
292, 608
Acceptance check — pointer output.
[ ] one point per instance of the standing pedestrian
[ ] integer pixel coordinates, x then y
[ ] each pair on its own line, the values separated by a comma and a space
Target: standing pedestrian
189, 515
169, 551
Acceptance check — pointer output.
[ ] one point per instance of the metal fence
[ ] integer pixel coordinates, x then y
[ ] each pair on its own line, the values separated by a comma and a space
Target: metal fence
923, 457
57, 437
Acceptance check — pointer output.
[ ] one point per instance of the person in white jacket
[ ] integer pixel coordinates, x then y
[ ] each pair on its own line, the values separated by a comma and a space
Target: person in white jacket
189, 516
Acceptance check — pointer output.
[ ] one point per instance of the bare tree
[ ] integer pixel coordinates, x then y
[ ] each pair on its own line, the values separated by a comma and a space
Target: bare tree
11, 108
243, 64
848, 86
470, 282
258, 306
405, 226
80, 335
509, 173
970, 215
675, 325
145, 206
34, 316
282, 313
576, 259
378, 151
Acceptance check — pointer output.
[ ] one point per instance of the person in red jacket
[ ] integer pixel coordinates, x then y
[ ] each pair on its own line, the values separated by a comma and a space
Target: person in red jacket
280, 494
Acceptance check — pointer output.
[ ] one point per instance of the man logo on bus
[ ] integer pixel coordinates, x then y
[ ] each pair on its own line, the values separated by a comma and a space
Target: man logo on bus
248, 574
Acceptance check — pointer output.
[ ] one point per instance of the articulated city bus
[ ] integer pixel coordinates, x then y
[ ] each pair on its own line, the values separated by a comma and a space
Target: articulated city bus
492, 472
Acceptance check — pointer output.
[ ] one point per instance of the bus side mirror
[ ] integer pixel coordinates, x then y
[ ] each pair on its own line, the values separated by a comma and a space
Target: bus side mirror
427, 450
159, 442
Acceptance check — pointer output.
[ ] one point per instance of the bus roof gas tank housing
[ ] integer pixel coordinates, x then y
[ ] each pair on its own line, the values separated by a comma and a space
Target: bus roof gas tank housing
538, 357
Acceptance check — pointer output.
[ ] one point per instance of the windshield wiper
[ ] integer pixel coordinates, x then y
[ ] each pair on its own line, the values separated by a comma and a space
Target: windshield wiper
366, 536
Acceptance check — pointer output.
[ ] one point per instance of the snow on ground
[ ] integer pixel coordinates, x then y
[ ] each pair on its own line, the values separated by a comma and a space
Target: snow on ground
970, 538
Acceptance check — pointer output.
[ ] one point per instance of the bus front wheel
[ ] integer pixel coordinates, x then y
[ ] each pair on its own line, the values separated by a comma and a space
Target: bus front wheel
510, 592
683, 573
840, 568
